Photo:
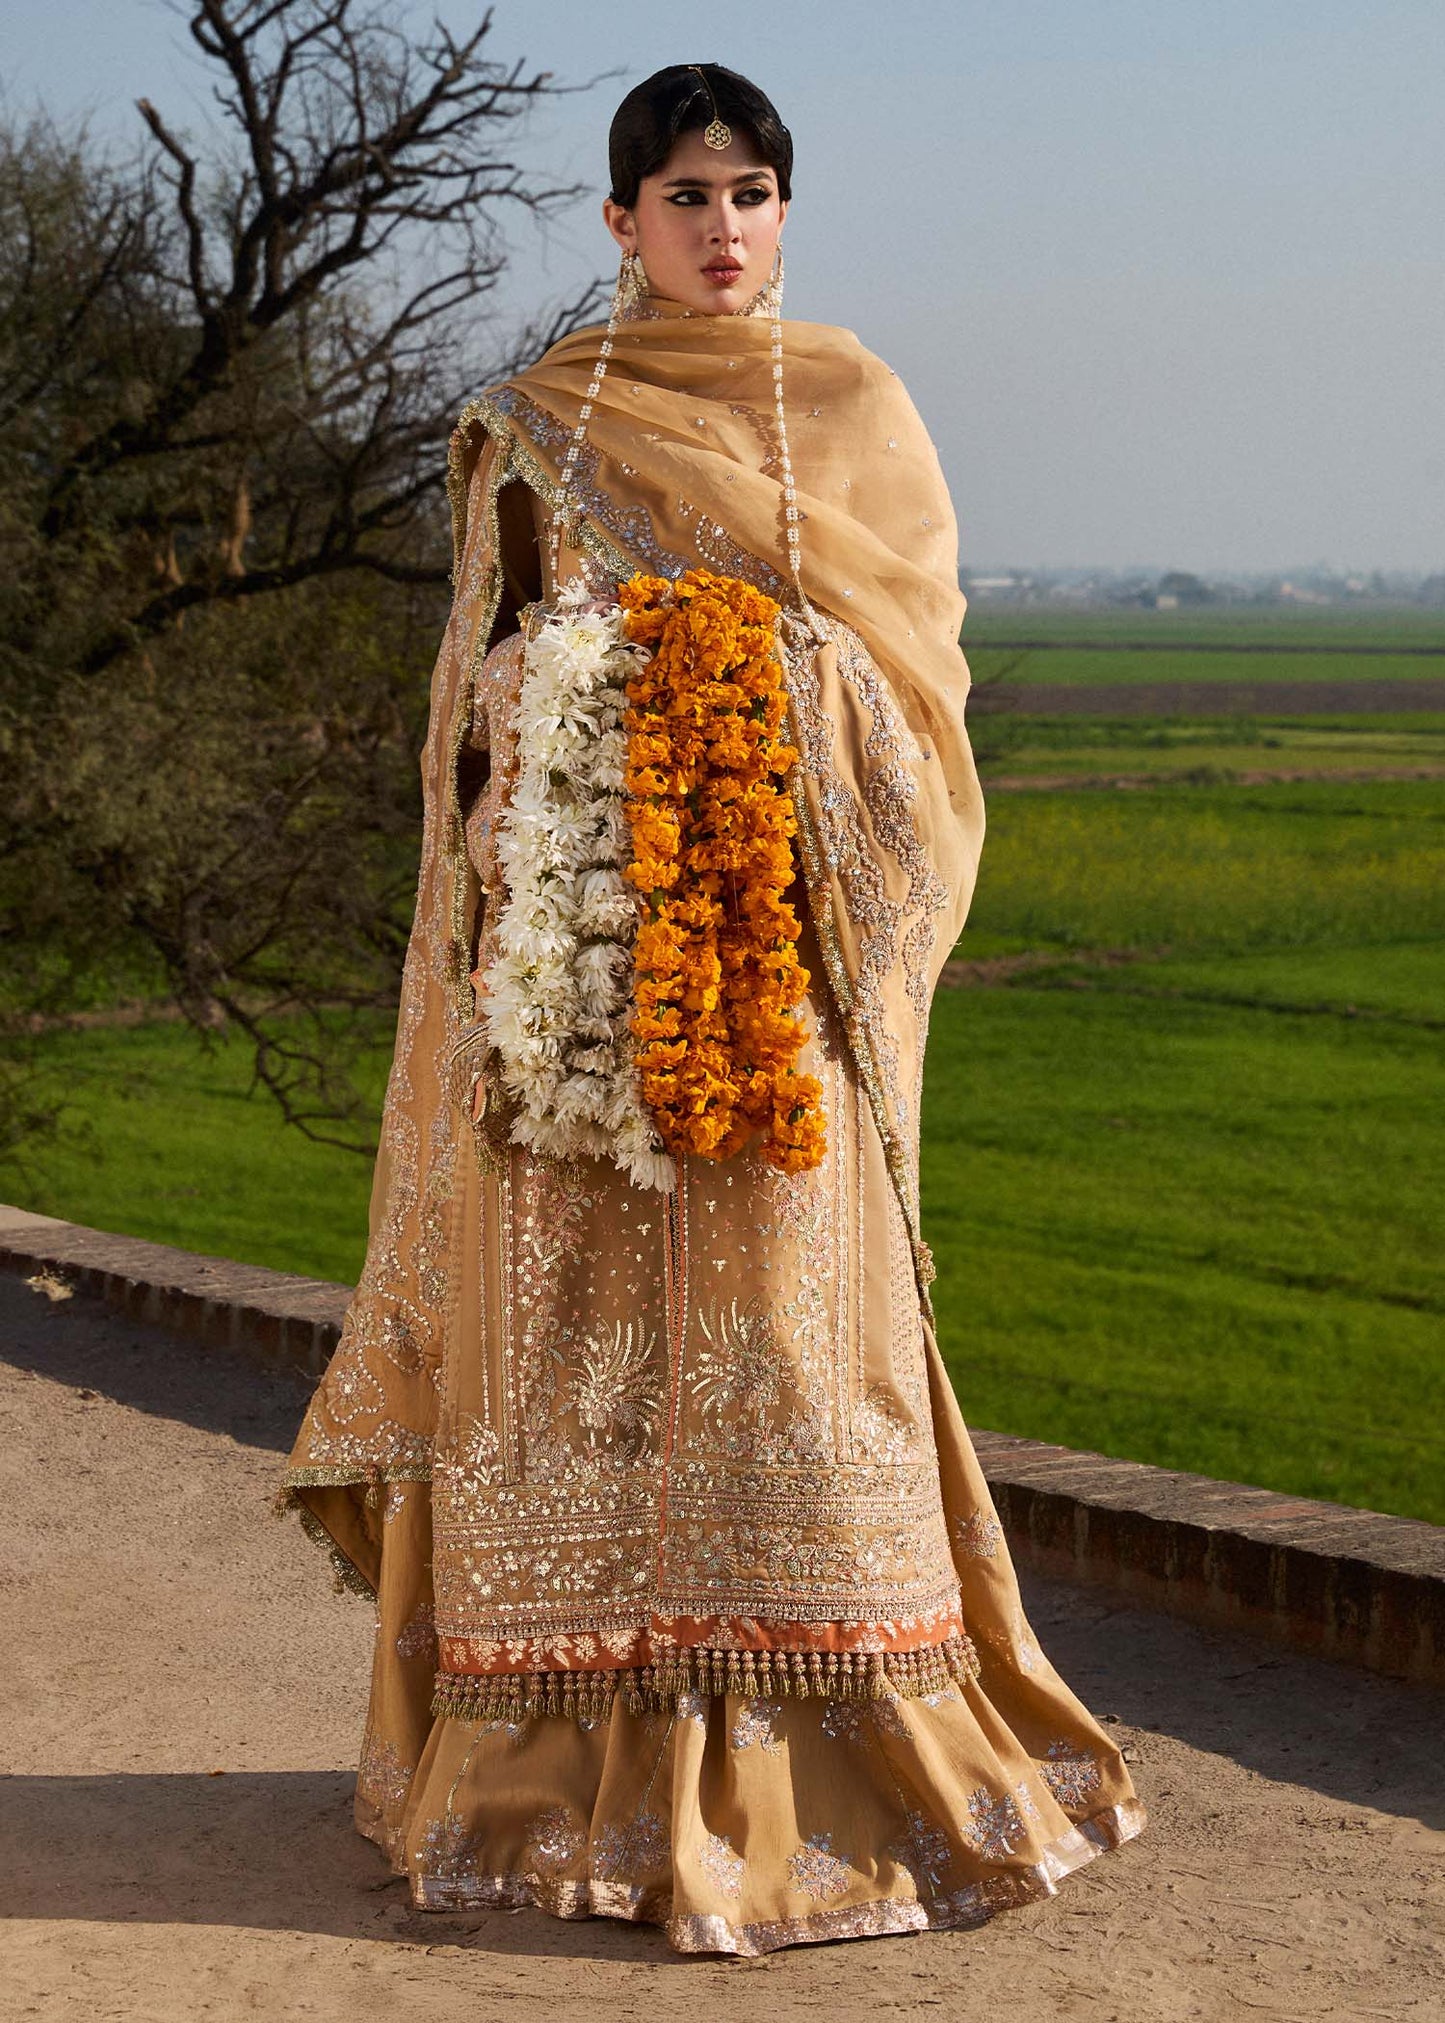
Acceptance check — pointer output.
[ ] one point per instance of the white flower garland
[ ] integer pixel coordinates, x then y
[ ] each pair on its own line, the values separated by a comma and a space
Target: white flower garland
558, 995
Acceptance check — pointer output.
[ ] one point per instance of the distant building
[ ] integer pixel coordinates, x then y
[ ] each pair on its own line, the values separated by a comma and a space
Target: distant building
1179, 587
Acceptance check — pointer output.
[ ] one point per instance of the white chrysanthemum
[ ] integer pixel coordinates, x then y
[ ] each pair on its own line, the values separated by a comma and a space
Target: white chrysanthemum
558, 991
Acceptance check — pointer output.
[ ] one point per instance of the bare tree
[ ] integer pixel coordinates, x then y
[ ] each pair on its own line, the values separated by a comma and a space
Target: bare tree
319, 273
228, 370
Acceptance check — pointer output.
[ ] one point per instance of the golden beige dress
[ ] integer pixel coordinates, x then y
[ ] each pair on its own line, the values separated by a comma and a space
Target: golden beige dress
692, 1605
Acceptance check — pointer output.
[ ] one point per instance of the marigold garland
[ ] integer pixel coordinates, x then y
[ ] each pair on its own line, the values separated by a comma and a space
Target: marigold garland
717, 980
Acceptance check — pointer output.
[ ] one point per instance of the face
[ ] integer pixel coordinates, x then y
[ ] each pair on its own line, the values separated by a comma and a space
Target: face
706, 225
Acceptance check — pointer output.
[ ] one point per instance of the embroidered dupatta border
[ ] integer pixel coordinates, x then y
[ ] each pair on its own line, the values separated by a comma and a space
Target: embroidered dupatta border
445, 930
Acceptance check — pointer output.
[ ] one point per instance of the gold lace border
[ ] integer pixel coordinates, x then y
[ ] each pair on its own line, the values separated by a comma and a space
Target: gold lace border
346, 1576
801, 1675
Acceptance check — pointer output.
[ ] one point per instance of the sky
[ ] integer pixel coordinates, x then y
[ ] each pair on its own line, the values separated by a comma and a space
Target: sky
1165, 278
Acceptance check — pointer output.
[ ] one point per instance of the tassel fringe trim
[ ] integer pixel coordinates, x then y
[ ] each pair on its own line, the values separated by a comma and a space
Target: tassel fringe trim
822, 1675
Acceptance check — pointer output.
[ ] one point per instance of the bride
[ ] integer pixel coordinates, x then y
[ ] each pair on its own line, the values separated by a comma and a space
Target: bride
692, 1605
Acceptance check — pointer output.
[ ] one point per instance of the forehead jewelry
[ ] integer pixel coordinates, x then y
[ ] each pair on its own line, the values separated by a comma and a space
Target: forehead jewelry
717, 134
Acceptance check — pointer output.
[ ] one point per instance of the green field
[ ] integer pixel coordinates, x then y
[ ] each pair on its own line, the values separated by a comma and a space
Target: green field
1308, 863
1191, 1209
1081, 648
1084, 666
166, 1138
1206, 629
1222, 748
1184, 1169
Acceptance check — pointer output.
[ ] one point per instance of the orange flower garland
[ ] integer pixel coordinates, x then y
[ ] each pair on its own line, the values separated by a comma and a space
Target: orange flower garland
717, 976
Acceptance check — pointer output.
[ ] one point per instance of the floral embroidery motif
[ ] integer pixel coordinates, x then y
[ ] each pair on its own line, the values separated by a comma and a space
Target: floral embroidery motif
756, 1721
881, 1434
748, 1390
722, 1864
418, 1638
860, 1721
1016, 1643
353, 1390
978, 1536
995, 1823
1071, 1776
446, 1852
382, 1779
615, 1388
692, 1707
515, 1731
925, 1852
554, 1839
632, 1852
845, 1721
817, 1871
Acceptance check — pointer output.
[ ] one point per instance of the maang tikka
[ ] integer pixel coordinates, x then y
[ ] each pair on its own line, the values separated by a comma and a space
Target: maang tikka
717, 134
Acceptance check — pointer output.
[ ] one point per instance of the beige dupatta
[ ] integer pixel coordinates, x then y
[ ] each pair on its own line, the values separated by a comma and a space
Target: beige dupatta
679, 469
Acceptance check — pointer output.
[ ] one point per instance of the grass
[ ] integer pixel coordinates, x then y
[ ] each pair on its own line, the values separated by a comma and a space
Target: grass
1231, 869
1182, 748
1196, 1233
1080, 648
1190, 1208
1336, 630
166, 1138
1081, 666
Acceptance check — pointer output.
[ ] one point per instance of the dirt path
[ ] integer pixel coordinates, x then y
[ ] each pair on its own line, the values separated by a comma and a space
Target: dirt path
1305, 697
1313, 649
1264, 776
181, 1713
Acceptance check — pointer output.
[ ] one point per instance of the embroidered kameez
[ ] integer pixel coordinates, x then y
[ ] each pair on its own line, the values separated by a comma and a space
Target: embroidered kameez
692, 1604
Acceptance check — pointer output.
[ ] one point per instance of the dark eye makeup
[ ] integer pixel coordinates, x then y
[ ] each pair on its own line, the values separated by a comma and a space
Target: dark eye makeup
752, 196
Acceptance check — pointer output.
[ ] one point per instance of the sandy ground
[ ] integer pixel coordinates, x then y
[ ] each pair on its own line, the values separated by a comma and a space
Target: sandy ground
181, 1712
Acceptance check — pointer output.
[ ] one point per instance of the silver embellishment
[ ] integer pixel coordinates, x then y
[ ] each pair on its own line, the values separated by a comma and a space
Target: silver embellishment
756, 1721
1071, 1776
554, 1839
817, 1871
722, 1864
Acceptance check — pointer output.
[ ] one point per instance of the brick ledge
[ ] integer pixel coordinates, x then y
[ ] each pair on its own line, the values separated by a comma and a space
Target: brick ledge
1348, 1584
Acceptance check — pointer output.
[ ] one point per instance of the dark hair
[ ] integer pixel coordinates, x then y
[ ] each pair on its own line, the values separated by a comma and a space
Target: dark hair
658, 112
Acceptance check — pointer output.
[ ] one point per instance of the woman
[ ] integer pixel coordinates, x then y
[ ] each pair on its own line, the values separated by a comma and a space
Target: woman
692, 1603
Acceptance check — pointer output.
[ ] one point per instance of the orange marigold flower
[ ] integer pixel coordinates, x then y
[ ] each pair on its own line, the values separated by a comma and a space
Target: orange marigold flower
715, 960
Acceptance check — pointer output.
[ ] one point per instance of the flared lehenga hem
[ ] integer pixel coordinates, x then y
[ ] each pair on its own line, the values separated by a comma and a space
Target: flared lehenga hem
711, 1932
739, 1824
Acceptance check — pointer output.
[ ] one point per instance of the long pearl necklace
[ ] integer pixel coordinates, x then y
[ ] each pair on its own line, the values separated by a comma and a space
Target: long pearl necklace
622, 296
